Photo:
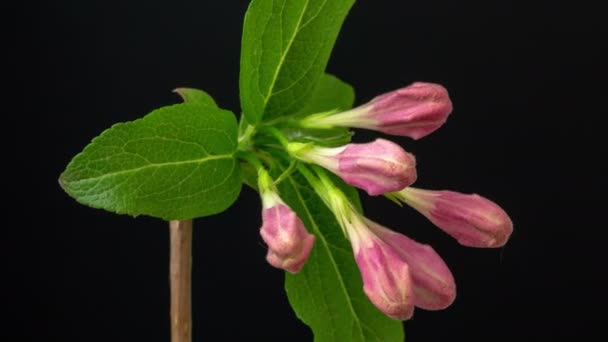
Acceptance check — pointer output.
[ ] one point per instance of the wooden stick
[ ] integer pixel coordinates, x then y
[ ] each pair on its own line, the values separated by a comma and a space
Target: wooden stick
180, 274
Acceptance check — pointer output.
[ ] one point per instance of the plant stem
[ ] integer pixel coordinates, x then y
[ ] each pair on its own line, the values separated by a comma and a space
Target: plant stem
180, 274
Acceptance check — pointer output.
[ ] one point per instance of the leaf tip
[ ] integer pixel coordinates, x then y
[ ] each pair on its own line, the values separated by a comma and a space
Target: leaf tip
180, 92
62, 181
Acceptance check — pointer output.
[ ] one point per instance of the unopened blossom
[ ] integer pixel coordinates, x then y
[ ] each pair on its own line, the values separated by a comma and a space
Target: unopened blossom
398, 273
414, 111
434, 286
289, 244
377, 167
473, 220
386, 276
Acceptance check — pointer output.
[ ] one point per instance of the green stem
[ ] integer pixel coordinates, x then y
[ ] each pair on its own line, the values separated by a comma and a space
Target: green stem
287, 172
251, 158
333, 197
278, 135
244, 139
316, 184
321, 173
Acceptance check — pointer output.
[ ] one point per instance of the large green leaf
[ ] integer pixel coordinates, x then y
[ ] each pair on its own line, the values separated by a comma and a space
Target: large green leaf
328, 293
285, 48
175, 163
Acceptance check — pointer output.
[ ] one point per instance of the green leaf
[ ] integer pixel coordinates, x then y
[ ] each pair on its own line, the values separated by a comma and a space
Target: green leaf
285, 48
330, 94
175, 163
193, 95
328, 293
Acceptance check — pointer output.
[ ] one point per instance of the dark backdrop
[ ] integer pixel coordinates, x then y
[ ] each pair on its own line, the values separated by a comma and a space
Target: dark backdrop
528, 94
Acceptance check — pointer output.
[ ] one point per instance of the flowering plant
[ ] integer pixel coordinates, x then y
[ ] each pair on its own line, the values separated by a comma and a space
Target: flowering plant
292, 144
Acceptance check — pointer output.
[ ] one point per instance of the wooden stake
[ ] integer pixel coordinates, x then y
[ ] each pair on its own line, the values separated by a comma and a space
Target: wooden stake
180, 274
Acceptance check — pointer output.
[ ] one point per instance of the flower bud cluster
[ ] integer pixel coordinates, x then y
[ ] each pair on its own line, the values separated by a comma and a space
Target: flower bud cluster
398, 273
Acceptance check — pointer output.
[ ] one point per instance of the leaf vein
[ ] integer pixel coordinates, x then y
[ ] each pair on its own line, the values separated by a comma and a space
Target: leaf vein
284, 54
165, 164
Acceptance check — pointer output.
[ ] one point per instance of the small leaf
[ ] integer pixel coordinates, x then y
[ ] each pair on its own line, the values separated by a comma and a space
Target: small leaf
175, 163
328, 293
285, 48
195, 96
330, 94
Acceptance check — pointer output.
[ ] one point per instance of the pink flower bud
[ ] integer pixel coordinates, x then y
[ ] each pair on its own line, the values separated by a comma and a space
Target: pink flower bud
399, 273
386, 276
289, 244
471, 219
377, 167
414, 111
434, 286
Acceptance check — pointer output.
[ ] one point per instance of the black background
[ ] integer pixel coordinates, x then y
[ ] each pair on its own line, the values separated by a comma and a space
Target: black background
528, 92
